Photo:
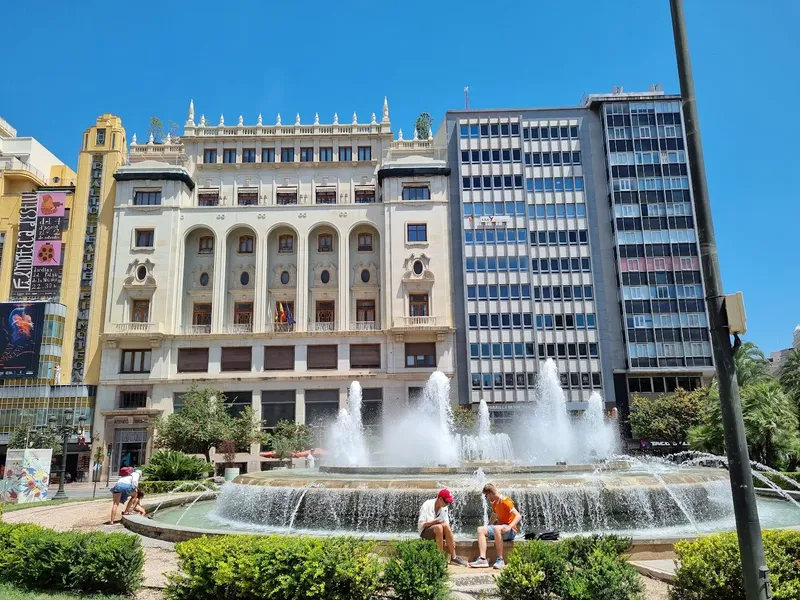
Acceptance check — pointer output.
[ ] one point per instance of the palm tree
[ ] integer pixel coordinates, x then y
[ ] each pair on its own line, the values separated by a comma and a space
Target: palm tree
751, 364
790, 376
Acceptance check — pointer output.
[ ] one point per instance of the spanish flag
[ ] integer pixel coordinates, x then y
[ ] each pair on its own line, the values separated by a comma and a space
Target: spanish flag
281, 313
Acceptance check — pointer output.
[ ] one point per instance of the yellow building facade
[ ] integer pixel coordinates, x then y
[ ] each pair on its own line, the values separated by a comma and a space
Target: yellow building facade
68, 367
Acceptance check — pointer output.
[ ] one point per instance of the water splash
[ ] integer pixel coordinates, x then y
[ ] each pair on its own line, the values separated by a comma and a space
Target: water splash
347, 443
601, 437
485, 445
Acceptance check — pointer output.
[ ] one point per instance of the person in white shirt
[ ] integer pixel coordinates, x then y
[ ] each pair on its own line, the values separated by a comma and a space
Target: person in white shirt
310, 462
126, 486
434, 524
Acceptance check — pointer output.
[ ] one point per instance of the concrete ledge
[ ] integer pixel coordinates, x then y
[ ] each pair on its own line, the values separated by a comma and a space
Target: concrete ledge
770, 493
662, 570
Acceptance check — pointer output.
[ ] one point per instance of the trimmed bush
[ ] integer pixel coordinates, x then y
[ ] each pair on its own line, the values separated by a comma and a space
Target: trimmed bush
577, 568
165, 487
278, 568
710, 567
782, 483
39, 558
416, 570
172, 465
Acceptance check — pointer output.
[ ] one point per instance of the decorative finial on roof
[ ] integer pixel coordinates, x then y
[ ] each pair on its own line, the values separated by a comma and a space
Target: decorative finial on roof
297, 119
168, 139
373, 122
336, 118
241, 120
416, 134
278, 120
430, 133
221, 120
355, 119
133, 141
191, 110
400, 136
151, 139
385, 110
316, 118
260, 121
202, 120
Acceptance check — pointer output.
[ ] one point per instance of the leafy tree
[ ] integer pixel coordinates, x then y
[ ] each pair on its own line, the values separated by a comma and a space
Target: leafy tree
751, 364
668, 417
155, 128
288, 437
38, 437
423, 125
464, 419
203, 423
789, 376
770, 422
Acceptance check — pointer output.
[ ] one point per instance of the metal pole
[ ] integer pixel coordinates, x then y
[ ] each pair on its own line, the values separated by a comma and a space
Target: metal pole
748, 529
60, 494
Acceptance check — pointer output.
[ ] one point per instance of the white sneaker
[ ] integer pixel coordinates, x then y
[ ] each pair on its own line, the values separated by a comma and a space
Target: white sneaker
479, 563
499, 564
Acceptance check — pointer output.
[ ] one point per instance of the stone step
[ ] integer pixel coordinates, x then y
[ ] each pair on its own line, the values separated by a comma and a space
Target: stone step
484, 576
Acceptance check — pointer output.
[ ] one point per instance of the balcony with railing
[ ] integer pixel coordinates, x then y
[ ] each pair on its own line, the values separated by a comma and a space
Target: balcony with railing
238, 328
280, 327
195, 329
366, 326
416, 322
135, 328
322, 326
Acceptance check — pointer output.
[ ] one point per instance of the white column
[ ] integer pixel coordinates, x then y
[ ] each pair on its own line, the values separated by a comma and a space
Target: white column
220, 283
343, 307
301, 316
261, 283
300, 406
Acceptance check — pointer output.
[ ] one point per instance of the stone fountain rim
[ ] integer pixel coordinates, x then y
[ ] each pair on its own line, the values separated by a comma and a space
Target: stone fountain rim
488, 467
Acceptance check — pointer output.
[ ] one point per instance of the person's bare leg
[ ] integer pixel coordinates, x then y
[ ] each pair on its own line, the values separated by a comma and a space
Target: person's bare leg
438, 533
114, 506
483, 532
451, 542
498, 541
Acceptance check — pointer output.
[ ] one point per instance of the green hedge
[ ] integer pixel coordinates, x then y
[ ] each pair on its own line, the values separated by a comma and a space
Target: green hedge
710, 567
417, 570
164, 487
577, 568
278, 568
38, 558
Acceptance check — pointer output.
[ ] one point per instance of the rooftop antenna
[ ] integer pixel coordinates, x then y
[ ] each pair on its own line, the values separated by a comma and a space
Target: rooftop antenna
466, 98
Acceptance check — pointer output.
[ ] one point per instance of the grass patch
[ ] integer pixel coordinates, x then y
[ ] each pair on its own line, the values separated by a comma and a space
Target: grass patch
8, 592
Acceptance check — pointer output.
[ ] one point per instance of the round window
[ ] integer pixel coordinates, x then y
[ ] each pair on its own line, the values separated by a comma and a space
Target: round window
365, 276
244, 278
285, 277
325, 276
204, 279
418, 267
141, 272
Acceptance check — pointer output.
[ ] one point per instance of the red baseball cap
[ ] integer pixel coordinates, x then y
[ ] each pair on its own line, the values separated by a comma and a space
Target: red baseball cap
446, 496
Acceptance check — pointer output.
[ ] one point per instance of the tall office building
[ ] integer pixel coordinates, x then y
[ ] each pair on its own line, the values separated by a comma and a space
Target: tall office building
574, 239
53, 252
276, 263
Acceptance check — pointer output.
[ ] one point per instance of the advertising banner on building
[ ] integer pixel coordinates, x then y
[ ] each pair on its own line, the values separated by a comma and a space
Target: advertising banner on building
27, 476
38, 257
21, 325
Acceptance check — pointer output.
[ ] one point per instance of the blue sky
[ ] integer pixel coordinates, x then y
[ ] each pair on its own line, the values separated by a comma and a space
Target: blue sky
72, 61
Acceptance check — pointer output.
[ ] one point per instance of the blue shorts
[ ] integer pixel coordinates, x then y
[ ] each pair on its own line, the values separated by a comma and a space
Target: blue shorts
124, 489
507, 536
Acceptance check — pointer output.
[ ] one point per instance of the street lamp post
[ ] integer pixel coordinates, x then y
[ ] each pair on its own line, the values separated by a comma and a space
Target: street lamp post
748, 528
64, 429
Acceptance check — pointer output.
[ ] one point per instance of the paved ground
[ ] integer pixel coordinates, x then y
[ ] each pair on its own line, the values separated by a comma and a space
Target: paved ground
161, 558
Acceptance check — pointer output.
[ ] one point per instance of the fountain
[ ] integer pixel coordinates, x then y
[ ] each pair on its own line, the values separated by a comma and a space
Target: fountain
567, 475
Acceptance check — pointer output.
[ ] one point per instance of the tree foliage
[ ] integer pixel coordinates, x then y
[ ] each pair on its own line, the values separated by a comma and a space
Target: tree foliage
668, 417
464, 419
770, 422
288, 437
751, 364
789, 376
204, 422
40, 437
172, 465
423, 125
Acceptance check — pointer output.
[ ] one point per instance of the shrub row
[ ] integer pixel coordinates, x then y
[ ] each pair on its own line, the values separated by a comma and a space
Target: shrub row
577, 568
710, 567
164, 487
38, 558
782, 483
285, 568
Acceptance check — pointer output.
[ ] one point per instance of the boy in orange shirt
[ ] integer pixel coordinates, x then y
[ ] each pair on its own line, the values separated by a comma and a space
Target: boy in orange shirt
506, 517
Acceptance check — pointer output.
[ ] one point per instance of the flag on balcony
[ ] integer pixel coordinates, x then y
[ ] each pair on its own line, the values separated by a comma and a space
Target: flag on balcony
281, 313
289, 315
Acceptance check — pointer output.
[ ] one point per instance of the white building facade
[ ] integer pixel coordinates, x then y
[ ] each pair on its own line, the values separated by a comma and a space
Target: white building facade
277, 263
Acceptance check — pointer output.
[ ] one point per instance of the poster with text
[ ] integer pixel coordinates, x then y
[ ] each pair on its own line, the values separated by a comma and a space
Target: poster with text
21, 325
